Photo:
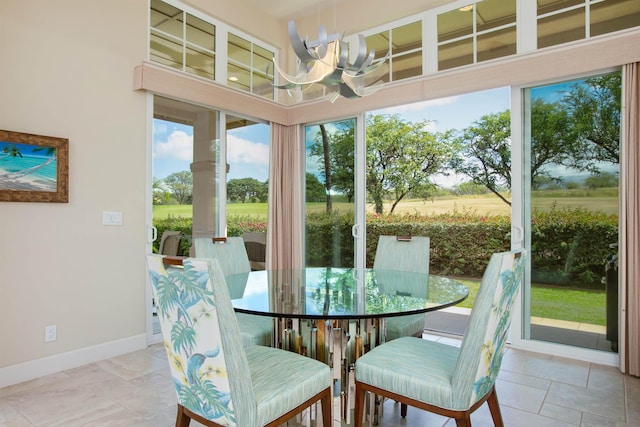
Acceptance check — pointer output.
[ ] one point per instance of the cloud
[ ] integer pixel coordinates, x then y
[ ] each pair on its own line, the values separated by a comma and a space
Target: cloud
179, 146
243, 151
420, 106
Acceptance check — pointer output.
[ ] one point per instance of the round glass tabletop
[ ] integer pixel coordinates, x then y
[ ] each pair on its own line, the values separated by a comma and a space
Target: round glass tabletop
335, 293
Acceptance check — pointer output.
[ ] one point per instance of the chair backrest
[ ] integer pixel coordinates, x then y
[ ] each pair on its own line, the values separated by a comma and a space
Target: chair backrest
202, 339
485, 338
170, 242
230, 253
403, 254
256, 245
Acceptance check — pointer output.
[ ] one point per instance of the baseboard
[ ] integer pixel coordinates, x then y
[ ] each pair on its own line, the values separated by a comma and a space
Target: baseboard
26, 371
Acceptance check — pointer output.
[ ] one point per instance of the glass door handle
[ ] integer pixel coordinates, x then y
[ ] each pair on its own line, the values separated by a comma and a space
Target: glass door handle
517, 235
152, 234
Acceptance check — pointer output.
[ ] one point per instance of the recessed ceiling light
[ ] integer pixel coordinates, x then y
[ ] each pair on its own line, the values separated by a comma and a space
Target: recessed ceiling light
233, 79
466, 8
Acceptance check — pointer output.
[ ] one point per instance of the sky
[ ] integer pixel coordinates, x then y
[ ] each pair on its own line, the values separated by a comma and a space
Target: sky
455, 112
248, 149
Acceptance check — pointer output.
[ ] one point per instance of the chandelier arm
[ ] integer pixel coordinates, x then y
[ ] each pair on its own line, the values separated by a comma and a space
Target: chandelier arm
367, 63
355, 84
299, 47
361, 56
320, 45
318, 71
371, 68
343, 55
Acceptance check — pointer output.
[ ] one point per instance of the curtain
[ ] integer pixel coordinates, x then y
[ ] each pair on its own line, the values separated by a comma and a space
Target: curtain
629, 250
284, 231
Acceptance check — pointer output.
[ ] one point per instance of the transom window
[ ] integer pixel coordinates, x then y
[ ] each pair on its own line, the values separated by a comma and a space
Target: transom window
476, 32
403, 44
247, 65
459, 34
181, 40
563, 21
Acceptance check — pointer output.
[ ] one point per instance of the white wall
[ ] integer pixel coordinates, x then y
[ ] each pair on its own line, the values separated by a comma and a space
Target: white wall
67, 71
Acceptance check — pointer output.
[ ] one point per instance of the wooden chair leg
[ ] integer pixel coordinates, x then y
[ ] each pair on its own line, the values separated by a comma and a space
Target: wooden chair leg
464, 421
403, 410
326, 409
182, 419
494, 408
358, 412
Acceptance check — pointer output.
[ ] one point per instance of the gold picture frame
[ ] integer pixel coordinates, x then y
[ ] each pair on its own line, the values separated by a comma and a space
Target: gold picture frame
33, 168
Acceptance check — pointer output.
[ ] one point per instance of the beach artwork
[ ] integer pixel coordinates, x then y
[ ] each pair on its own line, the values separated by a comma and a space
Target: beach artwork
33, 168
27, 167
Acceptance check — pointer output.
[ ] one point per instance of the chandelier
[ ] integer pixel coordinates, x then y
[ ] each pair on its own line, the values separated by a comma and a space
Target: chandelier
325, 62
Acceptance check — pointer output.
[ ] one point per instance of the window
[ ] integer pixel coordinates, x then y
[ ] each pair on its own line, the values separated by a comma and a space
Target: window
563, 21
247, 65
181, 40
476, 32
403, 44
186, 42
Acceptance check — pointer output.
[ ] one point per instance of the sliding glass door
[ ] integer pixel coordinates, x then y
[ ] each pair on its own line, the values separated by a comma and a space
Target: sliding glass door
570, 146
334, 205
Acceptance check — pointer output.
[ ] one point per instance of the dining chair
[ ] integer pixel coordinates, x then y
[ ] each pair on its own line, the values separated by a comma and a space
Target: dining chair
403, 253
449, 380
170, 242
256, 245
233, 259
219, 381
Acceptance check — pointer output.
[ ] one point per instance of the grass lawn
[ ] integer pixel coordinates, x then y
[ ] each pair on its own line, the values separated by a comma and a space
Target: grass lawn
605, 200
254, 210
573, 305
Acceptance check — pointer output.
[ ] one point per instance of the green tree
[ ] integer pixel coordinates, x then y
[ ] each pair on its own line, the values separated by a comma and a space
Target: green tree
326, 160
601, 180
246, 189
553, 141
315, 191
594, 107
181, 186
402, 158
485, 147
336, 156
160, 193
469, 188
485, 153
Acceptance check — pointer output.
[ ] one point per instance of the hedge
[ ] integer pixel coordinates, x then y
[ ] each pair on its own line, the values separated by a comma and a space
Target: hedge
570, 246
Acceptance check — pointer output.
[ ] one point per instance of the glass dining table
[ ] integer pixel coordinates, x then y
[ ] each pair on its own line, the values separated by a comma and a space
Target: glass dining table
337, 314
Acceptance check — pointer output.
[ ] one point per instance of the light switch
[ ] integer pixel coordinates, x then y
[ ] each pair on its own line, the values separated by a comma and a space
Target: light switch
111, 218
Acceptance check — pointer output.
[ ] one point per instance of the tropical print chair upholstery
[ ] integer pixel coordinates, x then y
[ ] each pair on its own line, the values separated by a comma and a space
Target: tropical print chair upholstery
403, 254
448, 380
219, 381
233, 259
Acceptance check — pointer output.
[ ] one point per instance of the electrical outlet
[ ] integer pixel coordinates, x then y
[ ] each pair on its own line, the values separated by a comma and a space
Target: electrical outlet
50, 333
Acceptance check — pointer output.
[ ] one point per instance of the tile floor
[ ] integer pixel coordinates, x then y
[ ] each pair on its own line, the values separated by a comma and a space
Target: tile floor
136, 390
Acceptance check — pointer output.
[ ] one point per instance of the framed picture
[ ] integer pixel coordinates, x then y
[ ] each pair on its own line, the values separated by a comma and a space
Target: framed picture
33, 168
